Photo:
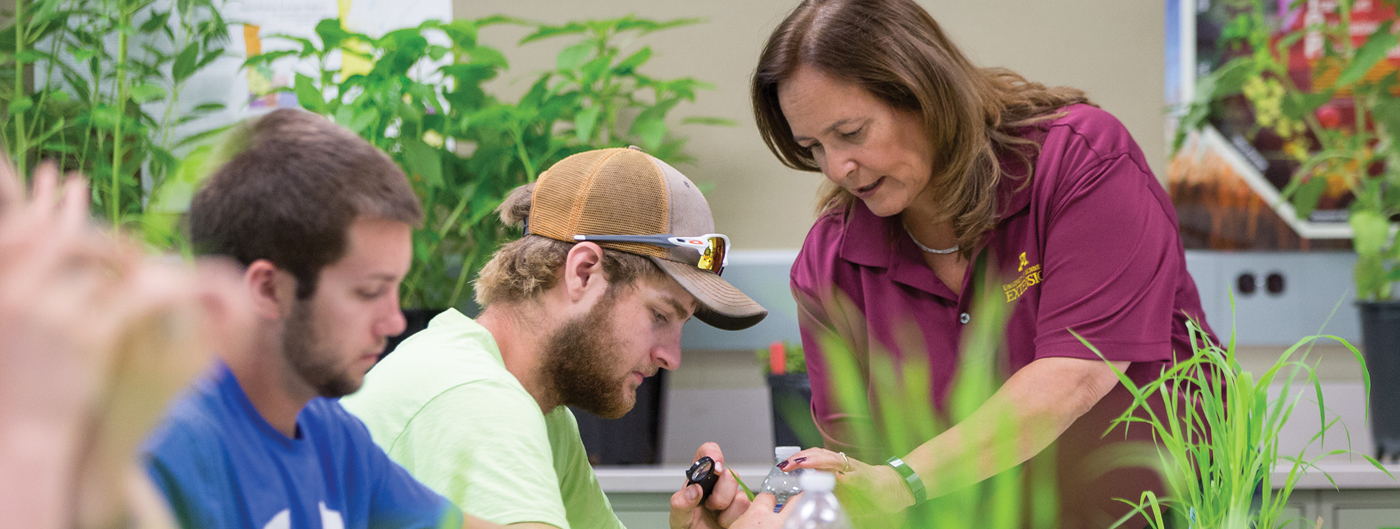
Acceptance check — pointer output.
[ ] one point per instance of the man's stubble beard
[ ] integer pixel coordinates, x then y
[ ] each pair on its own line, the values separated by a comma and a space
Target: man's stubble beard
303, 350
579, 363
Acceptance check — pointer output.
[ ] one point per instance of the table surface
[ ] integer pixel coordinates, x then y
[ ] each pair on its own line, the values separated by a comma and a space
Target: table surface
662, 478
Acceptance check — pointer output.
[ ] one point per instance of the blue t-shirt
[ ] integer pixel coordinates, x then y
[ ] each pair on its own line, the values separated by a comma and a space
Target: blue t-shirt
221, 465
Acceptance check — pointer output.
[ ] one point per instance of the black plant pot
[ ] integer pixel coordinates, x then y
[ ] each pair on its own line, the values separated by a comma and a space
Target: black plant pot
792, 411
417, 320
633, 439
1380, 336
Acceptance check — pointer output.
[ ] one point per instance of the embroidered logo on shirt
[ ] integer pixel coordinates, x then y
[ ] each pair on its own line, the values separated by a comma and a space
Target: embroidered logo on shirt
1030, 276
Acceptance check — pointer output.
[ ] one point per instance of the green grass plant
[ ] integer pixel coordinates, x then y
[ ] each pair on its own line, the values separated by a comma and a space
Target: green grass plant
903, 417
1218, 434
1216, 424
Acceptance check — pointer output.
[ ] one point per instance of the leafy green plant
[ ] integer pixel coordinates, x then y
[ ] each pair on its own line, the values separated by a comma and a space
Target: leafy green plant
1219, 434
429, 106
96, 85
1363, 155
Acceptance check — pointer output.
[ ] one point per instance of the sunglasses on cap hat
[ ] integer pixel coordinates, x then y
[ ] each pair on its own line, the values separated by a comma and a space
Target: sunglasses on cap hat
713, 247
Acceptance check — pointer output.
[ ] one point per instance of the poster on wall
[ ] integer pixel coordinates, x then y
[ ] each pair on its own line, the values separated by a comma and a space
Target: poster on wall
258, 26
1228, 180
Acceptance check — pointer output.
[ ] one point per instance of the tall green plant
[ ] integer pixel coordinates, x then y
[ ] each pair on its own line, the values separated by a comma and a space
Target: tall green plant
1219, 434
78, 81
430, 107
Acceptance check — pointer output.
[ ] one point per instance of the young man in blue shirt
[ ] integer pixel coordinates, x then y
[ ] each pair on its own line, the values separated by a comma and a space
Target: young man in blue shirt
321, 222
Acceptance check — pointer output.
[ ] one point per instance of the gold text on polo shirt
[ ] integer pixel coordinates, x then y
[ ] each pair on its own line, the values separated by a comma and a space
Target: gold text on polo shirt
1030, 276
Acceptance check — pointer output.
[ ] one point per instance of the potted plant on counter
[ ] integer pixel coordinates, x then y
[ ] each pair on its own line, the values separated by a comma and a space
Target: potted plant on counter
1338, 121
790, 393
1218, 434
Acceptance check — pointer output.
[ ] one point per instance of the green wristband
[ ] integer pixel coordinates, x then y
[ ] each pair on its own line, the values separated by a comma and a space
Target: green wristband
912, 480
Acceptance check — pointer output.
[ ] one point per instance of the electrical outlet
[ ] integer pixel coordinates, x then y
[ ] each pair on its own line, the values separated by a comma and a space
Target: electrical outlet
1279, 297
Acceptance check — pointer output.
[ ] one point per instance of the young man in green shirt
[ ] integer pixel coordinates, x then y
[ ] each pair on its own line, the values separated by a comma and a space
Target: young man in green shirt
617, 254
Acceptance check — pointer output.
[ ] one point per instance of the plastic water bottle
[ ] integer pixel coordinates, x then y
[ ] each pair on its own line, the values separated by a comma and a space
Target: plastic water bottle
782, 485
817, 508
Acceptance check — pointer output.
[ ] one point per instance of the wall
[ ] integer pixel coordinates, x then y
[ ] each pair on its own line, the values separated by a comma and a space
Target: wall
1111, 48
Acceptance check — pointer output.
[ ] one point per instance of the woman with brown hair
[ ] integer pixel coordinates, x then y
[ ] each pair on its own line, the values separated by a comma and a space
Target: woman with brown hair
949, 182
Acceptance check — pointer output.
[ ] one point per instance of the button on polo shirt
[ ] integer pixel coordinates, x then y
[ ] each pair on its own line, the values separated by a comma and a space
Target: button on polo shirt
1091, 244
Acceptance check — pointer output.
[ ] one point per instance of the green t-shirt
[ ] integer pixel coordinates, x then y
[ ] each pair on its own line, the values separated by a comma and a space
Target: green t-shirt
444, 406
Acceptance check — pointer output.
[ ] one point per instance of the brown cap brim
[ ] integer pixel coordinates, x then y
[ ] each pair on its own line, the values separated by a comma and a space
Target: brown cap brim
721, 305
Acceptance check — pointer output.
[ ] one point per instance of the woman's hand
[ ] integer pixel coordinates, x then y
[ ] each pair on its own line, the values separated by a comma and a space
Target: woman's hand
726, 504
861, 488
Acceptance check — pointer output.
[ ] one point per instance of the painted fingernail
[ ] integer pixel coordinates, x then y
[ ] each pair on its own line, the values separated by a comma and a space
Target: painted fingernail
799, 460
784, 464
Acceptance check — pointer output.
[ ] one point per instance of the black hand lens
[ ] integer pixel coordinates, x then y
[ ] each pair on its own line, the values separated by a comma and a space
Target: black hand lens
703, 473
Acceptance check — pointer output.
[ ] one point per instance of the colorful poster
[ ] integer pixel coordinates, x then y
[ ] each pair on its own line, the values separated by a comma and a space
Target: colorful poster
1227, 180
255, 27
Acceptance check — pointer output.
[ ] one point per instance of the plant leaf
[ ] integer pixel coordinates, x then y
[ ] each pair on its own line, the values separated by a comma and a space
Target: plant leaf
651, 132
1306, 196
1370, 53
710, 120
185, 62
630, 64
585, 122
332, 35
145, 92
423, 161
20, 105
573, 57
1370, 231
545, 32
308, 95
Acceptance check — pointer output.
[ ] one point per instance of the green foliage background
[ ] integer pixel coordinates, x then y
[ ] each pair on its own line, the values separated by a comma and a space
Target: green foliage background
463, 147
95, 86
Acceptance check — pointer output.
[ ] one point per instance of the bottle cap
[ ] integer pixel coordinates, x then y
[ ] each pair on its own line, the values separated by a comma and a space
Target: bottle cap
784, 452
815, 480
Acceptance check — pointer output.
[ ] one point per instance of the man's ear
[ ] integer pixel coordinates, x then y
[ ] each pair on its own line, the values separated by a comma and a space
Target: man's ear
273, 290
583, 272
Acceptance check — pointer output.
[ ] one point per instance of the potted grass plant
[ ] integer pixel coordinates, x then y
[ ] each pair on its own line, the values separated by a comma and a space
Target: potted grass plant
1218, 434
1216, 427
1338, 124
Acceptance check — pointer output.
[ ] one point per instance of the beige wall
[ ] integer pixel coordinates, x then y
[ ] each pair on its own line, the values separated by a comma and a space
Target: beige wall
1111, 48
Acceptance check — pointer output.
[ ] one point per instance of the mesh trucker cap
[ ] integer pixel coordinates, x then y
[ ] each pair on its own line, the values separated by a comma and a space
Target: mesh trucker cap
628, 192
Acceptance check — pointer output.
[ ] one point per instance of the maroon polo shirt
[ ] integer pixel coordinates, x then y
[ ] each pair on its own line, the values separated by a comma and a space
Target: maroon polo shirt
1090, 245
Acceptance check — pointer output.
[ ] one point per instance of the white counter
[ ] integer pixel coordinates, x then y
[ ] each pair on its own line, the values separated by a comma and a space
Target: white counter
663, 478
668, 479
1356, 475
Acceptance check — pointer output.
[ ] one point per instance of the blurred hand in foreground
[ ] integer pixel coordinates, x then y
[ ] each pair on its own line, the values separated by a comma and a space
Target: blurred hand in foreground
98, 337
